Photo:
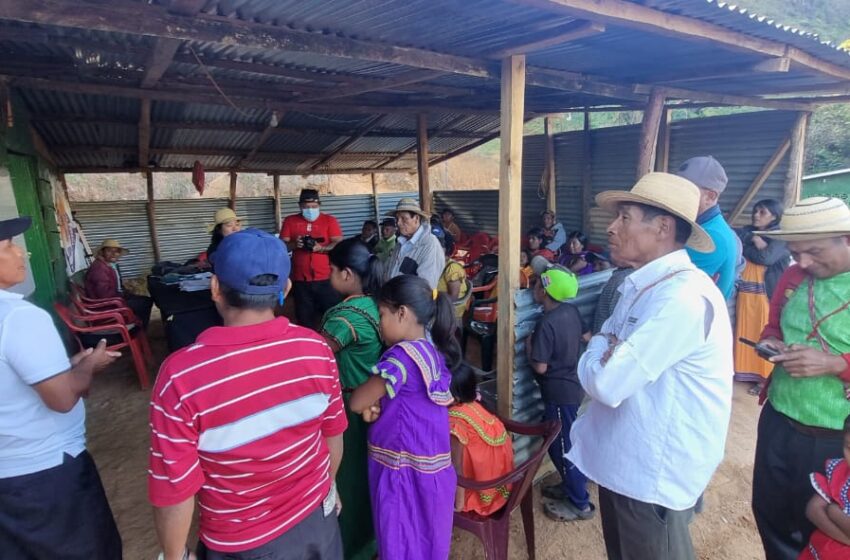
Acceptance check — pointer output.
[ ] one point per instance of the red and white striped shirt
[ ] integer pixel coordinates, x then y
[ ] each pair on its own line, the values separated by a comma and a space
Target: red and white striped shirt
240, 418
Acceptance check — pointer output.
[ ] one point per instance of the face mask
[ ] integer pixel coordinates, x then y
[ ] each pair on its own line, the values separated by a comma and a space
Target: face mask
310, 214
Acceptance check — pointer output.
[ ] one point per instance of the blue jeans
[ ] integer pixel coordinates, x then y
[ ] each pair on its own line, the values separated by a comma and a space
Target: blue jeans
573, 481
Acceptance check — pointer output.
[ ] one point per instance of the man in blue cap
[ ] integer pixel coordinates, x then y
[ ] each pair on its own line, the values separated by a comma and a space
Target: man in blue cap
249, 419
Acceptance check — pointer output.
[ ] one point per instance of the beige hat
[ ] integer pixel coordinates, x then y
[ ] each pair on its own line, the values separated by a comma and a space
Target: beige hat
222, 216
408, 205
668, 192
112, 244
819, 217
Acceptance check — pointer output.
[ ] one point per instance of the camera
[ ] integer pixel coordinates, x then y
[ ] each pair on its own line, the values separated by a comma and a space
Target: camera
309, 242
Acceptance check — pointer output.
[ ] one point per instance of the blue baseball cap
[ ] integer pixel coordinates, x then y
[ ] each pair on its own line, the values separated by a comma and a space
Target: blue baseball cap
246, 254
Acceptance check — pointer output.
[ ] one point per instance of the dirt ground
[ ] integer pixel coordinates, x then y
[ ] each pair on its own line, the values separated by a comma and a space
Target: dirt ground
118, 441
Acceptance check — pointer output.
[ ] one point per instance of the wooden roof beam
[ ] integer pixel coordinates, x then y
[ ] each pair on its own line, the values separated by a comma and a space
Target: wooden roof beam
164, 49
431, 134
724, 99
264, 135
336, 152
266, 171
41, 147
636, 16
572, 31
407, 78
218, 152
144, 133
771, 65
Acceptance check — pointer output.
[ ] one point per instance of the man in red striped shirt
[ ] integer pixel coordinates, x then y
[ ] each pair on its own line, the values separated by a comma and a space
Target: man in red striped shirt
249, 419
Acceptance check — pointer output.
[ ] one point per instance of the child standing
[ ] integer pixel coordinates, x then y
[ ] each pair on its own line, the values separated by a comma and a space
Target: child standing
481, 447
411, 478
554, 353
351, 328
829, 508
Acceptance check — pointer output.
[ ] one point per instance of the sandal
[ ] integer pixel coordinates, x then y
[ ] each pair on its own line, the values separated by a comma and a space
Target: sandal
554, 492
755, 390
565, 510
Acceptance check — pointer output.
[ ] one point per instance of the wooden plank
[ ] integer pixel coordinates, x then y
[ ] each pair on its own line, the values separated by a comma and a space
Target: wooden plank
796, 157
724, 99
376, 201
572, 31
649, 133
662, 150
422, 162
276, 190
549, 176
41, 147
571, 81
586, 175
766, 171
151, 211
336, 152
636, 16
159, 60
232, 202
219, 152
220, 169
407, 78
510, 204
144, 133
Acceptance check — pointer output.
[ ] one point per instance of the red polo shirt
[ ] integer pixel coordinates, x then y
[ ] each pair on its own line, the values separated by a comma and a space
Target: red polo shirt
306, 265
240, 419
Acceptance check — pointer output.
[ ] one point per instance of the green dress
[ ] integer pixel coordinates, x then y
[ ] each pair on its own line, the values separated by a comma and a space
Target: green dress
354, 325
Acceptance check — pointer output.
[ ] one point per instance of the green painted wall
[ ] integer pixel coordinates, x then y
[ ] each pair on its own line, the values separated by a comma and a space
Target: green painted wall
837, 186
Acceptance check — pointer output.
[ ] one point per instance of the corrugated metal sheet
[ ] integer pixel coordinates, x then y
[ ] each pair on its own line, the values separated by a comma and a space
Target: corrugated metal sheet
533, 162
181, 226
127, 222
474, 210
351, 211
388, 201
568, 171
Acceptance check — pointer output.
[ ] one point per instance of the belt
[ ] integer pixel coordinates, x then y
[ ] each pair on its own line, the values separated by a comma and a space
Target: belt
813, 431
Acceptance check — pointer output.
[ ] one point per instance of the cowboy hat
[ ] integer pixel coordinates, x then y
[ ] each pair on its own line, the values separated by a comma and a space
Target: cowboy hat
818, 217
222, 216
408, 205
112, 244
668, 192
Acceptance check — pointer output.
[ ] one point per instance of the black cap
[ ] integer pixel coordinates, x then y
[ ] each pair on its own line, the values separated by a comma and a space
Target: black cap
388, 222
308, 195
13, 227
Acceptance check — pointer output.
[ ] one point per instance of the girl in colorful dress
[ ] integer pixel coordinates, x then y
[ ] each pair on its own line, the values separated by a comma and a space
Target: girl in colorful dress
829, 508
411, 477
481, 447
352, 330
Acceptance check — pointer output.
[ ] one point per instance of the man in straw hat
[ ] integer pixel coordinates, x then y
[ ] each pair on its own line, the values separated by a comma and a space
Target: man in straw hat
801, 424
103, 280
659, 376
416, 252
310, 235
52, 503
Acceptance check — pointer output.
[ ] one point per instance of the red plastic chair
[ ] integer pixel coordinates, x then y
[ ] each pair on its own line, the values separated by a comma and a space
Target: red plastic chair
109, 325
494, 530
89, 308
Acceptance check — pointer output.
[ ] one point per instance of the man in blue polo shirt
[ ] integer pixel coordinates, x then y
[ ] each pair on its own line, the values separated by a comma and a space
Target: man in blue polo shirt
52, 503
707, 174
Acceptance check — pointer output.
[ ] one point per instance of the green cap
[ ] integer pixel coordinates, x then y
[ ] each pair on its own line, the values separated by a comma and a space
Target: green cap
559, 283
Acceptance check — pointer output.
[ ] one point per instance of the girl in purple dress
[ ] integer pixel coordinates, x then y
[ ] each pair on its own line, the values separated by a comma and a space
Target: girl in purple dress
411, 477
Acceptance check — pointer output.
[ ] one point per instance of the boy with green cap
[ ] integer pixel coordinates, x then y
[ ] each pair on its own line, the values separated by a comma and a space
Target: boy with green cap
553, 351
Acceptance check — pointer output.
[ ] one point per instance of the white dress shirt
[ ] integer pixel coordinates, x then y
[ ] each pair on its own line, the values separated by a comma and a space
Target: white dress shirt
656, 425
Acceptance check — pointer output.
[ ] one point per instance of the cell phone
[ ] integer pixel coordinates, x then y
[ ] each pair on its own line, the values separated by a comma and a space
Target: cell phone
763, 351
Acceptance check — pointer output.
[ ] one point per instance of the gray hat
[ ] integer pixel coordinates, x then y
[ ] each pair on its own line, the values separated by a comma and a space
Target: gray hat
540, 264
705, 172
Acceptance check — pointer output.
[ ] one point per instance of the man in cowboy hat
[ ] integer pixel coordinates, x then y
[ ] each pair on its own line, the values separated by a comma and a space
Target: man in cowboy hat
311, 235
801, 424
707, 174
659, 376
103, 280
52, 503
417, 252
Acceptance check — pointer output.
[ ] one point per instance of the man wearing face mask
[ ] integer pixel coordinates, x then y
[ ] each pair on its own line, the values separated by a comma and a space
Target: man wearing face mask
310, 236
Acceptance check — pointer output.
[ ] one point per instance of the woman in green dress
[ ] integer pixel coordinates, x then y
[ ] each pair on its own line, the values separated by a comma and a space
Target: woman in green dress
352, 330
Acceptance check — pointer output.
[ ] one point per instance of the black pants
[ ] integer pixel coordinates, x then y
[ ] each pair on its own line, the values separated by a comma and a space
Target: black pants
315, 538
636, 530
58, 513
781, 487
312, 299
141, 306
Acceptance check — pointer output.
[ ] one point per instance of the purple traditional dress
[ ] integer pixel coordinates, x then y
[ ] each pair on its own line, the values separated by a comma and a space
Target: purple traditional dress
411, 477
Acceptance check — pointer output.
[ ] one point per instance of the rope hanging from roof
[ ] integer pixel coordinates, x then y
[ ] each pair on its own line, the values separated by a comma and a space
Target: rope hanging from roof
215, 85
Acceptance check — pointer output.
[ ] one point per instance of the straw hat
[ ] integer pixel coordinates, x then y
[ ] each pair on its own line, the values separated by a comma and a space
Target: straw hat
409, 205
112, 244
222, 216
668, 192
819, 217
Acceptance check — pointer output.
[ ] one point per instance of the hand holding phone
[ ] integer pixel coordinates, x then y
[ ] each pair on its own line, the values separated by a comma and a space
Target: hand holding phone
764, 351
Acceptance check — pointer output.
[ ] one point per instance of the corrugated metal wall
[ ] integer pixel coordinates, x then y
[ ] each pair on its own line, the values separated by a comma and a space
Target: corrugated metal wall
474, 210
182, 224
568, 169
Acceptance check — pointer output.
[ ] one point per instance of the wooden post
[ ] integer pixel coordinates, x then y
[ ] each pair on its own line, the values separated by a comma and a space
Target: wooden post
765, 172
376, 202
64, 184
662, 151
549, 176
276, 191
232, 191
649, 132
586, 176
794, 178
422, 162
510, 204
151, 207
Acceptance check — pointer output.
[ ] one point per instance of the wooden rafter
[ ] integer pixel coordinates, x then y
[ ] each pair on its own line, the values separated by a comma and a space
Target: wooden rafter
439, 131
144, 132
407, 78
337, 152
164, 49
219, 152
264, 135
265, 170
726, 99
572, 31
772, 65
